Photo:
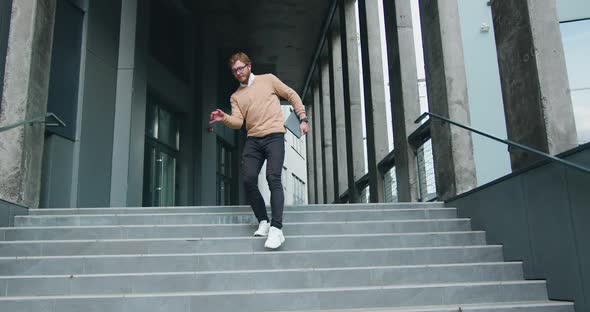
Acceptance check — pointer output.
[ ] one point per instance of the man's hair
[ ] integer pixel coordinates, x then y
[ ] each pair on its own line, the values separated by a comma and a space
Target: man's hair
240, 56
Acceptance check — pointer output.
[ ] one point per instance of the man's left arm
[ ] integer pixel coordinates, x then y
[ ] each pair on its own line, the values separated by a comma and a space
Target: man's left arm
290, 95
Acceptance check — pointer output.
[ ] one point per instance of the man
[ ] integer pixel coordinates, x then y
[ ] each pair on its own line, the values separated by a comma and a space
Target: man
257, 102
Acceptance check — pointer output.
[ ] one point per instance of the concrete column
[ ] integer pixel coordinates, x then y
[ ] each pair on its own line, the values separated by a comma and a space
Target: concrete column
403, 86
330, 57
535, 86
26, 84
317, 145
352, 95
327, 134
339, 114
374, 93
130, 107
447, 96
309, 148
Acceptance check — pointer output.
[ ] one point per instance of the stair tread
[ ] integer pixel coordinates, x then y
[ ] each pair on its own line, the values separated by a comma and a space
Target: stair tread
273, 291
454, 307
56, 241
249, 213
225, 224
259, 252
302, 269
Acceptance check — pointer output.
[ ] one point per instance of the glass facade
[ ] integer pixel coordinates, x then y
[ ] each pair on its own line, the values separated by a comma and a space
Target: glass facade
576, 45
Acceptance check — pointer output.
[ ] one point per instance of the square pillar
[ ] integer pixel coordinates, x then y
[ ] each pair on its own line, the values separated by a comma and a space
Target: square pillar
405, 100
339, 114
327, 148
535, 87
26, 87
446, 83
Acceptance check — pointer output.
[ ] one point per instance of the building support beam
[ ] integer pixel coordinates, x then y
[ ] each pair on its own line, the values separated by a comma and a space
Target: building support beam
352, 97
309, 148
374, 94
403, 86
447, 96
26, 87
339, 115
318, 143
535, 87
328, 151
335, 158
130, 107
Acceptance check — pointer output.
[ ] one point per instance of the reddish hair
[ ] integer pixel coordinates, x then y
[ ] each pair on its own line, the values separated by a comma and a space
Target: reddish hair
240, 56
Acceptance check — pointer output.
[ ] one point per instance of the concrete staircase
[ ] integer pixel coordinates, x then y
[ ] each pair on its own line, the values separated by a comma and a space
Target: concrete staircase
380, 257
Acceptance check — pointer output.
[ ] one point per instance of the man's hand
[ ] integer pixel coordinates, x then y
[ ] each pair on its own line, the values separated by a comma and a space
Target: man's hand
216, 116
304, 128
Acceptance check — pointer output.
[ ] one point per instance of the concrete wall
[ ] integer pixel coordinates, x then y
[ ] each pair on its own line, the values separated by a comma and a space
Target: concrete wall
541, 216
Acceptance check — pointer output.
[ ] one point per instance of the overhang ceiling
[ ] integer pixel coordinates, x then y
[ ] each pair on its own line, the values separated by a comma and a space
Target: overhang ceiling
280, 36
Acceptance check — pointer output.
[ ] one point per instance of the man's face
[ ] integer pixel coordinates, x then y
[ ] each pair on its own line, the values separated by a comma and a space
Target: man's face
241, 71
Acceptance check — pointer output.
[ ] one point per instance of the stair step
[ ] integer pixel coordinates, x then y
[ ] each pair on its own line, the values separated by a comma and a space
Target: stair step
297, 299
236, 217
230, 230
243, 208
236, 244
535, 306
139, 263
257, 279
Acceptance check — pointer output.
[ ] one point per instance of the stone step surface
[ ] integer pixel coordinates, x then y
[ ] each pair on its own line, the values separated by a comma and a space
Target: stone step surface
363, 257
535, 306
101, 264
275, 300
237, 244
235, 217
177, 209
231, 230
297, 278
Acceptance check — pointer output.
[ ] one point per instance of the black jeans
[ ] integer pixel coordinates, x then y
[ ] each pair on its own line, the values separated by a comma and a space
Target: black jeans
256, 150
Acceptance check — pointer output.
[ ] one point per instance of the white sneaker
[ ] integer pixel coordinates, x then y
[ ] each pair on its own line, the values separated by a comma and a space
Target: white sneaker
275, 238
262, 228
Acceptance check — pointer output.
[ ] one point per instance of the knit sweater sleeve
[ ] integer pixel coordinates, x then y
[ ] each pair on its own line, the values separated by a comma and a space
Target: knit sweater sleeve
236, 119
290, 95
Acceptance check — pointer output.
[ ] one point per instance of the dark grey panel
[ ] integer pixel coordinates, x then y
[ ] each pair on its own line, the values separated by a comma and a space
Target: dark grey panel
541, 216
65, 67
8, 211
96, 142
500, 210
554, 251
579, 204
104, 20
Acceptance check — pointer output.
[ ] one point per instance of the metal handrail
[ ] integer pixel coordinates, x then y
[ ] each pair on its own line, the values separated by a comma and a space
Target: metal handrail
42, 119
509, 143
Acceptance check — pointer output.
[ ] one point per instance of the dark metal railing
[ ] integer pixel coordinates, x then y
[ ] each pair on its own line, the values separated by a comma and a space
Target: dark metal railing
42, 119
508, 142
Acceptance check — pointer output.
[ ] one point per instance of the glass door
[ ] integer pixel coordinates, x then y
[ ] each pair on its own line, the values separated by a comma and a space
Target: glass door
160, 176
161, 152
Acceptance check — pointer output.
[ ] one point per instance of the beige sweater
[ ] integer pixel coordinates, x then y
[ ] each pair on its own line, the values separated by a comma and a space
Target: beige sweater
259, 104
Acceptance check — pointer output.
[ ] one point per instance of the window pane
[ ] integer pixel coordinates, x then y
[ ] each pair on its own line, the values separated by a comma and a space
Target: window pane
151, 127
576, 45
167, 128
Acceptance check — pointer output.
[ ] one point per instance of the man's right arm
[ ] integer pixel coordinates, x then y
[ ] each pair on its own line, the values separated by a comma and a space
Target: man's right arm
236, 119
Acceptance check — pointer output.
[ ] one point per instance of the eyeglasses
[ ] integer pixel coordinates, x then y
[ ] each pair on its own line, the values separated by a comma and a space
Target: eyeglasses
239, 70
